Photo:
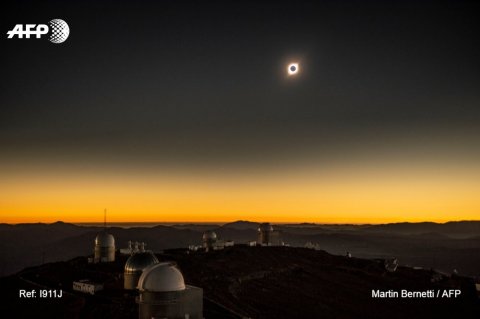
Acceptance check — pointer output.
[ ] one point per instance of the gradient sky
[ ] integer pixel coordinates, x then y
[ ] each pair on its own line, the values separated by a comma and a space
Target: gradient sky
182, 111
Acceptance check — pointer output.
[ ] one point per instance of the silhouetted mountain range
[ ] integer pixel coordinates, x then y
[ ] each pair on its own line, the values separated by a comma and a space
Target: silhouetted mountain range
444, 246
460, 229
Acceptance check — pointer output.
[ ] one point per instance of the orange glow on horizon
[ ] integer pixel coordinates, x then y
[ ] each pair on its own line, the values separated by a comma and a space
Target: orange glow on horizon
371, 195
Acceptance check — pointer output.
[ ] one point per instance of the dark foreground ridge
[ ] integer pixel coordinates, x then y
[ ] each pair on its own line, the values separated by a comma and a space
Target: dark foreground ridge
255, 282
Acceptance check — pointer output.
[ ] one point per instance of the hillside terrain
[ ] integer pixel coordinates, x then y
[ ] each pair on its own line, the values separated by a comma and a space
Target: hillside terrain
255, 282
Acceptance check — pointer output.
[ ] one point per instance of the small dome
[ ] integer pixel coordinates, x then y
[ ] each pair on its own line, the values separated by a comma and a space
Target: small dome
161, 277
105, 239
209, 234
265, 227
139, 261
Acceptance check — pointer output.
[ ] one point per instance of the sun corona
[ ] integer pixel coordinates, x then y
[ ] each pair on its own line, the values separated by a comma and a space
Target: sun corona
292, 68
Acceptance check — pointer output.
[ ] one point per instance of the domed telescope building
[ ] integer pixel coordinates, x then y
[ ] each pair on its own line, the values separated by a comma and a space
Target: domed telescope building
163, 294
135, 265
209, 240
104, 250
267, 236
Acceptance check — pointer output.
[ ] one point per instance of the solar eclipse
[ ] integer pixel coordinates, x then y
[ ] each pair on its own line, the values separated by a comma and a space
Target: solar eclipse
292, 68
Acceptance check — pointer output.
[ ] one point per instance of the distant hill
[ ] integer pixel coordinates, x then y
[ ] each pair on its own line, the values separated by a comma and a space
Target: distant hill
445, 246
241, 224
460, 229
196, 227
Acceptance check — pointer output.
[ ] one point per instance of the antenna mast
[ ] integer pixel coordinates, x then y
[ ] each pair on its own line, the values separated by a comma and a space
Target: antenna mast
105, 220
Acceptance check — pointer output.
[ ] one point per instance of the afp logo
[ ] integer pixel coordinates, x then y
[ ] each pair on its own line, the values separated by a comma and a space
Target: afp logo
58, 29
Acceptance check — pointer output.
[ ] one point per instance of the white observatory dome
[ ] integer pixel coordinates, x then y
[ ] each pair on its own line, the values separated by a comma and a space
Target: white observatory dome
104, 239
209, 234
162, 277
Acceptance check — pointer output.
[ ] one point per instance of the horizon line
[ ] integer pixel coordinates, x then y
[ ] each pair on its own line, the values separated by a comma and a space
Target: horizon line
229, 222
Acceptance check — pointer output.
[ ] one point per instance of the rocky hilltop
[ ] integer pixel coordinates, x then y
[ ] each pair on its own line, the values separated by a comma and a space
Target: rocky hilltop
252, 282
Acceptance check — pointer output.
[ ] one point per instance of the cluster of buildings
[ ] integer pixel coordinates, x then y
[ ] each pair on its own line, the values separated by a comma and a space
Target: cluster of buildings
162, 292
266, 236
210, 242
133, 247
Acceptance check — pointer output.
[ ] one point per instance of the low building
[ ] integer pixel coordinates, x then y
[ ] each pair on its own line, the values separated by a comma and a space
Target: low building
133, 247
87, 286
194, 247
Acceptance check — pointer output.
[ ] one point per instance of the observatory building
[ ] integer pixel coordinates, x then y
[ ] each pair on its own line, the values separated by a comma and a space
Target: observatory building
104, 250
132, 248
212, 242
209, 240
267, 236
163, 294
135, 265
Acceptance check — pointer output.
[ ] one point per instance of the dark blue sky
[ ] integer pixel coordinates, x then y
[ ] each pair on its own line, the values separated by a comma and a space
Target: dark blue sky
203, 83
